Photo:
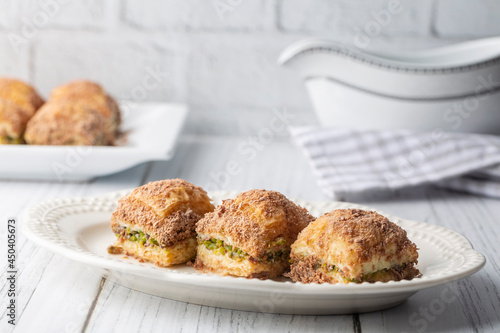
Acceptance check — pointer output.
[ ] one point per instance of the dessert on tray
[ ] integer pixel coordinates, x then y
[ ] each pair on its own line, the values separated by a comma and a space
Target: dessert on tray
78, 113
18, 103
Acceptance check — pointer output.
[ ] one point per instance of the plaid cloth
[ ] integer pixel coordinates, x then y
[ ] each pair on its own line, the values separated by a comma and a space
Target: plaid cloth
347, 161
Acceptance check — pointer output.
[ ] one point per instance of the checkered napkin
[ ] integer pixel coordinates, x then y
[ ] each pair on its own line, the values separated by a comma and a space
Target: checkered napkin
347, 161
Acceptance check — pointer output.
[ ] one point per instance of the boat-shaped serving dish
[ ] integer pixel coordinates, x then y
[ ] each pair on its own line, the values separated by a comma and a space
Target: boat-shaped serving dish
452, 88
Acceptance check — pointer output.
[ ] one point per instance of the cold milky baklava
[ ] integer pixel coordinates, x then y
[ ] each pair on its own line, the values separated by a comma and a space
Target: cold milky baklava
156, 222
250, 235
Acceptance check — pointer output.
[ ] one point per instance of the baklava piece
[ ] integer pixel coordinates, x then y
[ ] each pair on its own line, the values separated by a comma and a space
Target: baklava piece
353, 245
18, 103
12, 122
21, 94
67, 124
156, 222
94, 96
78, 113
250, 235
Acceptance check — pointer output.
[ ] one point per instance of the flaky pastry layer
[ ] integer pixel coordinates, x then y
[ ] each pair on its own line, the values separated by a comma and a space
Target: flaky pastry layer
208, 261
94, 96
21, 94
311, 270
170, 195
180, 253
61, 123
13, 121
166, 209
254, 220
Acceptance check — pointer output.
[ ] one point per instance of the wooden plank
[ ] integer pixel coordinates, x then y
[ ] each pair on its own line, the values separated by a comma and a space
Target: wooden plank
39, 269
207, 163
61, 299
469, 304
135, 311
60, 295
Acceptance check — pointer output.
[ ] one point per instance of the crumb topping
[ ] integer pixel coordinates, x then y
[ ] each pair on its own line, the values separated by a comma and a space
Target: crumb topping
12, 120
135, 211
356, 241
312, 270
170, 195
93, 95
254, 219
21, 94
305, 271
177, 227
60, 123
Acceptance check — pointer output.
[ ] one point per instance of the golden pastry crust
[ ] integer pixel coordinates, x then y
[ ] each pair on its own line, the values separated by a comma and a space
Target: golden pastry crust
168, 196
353, 245
312, 270
21, 94
60, 123
167, 231
77, 89
209, 261
12, 122
255, 218
165, 212
263, 224
94, 96
177, 254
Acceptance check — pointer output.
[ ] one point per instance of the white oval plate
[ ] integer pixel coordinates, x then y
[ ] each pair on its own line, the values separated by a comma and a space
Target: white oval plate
78, 228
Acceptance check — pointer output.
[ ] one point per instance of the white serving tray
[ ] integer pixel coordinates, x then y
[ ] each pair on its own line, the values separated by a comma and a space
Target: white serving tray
151, 132
79, 229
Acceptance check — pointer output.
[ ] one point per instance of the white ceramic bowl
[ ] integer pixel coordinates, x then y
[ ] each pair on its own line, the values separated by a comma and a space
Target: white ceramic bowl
453, 88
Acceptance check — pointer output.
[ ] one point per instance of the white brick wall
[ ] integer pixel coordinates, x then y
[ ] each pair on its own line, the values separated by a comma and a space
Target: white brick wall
241, 71
68, 14
395, 17
13, 63
118, 61
314, 16
232, 15
459, 18
217, 55
8, 13
326, 17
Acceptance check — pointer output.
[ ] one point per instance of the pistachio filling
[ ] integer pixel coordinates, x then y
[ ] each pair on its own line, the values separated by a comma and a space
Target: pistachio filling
7, 140
274, 254
219, 247
375, 276
138, 236
277, 255
327, 268
277, 251
369, 277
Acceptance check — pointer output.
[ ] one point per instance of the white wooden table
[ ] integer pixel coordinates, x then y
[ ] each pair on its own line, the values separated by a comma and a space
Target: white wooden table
56, 294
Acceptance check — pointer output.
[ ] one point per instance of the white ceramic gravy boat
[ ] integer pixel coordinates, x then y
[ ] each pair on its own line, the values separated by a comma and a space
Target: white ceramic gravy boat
452, 88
